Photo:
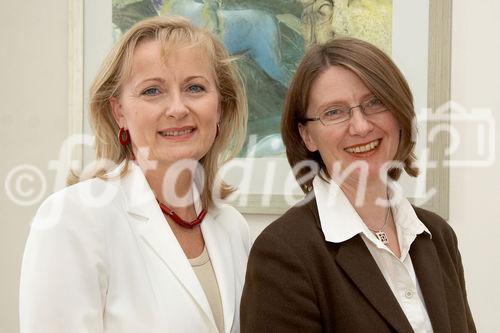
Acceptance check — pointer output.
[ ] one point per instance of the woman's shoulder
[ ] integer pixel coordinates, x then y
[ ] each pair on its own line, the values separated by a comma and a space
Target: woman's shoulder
294, 239
229, 217
233, 222
95, 192
431, 219
437, 225
297, 225
76, 204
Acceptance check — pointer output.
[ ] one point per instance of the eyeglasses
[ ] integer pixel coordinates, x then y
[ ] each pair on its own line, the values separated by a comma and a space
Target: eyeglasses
339, 114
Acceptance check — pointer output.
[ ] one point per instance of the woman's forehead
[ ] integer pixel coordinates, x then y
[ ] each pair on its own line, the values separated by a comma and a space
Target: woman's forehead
153, 56
166, 48
337, 84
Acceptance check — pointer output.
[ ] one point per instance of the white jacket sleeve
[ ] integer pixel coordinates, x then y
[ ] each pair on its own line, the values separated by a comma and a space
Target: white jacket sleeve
63, 277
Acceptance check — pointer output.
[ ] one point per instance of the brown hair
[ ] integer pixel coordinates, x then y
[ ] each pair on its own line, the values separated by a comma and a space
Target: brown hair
170, 31
380, 75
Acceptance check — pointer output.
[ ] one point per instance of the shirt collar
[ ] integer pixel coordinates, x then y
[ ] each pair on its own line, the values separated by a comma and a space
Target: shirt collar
340, 221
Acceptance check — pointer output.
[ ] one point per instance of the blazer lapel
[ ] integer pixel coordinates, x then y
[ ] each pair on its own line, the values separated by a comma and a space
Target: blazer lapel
219, 249
355, 259
156, 233
428, 271
162, 241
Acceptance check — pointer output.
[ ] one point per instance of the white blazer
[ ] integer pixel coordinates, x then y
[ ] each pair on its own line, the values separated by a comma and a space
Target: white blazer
100, 257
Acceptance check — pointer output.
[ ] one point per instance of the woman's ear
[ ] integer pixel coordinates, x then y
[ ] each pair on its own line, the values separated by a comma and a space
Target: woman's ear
116, 109
306, 137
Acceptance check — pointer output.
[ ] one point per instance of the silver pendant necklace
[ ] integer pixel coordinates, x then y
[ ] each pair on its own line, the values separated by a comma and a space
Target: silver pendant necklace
381, 235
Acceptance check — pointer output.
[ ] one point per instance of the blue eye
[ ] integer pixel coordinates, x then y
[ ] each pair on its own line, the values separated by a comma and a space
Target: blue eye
153, 91
196, 88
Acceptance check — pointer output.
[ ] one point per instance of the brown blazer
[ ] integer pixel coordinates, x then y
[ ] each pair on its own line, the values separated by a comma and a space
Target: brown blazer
296, 281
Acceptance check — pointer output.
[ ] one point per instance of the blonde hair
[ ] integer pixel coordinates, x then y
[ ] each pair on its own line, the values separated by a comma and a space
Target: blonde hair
377, 71
169, 31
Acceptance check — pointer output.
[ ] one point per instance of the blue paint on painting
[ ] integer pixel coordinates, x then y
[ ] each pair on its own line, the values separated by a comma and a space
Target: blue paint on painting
249, 31
255, 32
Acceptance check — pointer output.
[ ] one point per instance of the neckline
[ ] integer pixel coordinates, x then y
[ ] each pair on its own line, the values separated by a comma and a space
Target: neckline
200, 260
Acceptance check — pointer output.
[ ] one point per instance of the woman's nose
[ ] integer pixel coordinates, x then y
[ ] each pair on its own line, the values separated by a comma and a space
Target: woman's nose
176, 107
359, 124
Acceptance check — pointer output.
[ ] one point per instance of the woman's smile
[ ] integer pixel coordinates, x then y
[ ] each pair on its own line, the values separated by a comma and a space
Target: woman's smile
178, 133
364, 150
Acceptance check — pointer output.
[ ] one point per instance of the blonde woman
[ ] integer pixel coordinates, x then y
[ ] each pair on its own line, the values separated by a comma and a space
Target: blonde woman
143, 247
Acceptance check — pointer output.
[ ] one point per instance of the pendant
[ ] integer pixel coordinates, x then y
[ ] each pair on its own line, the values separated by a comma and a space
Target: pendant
382, 236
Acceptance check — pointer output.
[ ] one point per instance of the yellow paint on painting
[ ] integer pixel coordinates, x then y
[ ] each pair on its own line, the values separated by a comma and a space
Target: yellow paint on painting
166, 7
369, 20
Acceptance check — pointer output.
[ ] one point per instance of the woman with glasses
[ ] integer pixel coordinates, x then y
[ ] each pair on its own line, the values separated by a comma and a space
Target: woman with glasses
354, 255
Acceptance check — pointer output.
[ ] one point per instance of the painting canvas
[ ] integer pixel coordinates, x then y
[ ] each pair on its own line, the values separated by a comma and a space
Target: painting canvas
415, 33
268, 38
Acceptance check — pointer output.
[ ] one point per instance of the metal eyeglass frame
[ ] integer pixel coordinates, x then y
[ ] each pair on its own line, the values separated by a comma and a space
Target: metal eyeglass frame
361, 106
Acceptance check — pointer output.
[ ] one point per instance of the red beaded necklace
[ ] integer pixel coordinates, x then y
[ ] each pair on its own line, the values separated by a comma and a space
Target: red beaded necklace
177, 219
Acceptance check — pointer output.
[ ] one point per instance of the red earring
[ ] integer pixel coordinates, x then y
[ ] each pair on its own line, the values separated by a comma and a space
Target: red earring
124, 136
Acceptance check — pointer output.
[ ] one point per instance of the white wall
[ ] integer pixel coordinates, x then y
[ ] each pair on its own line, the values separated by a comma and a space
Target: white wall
33, 124
475, 192
33, 121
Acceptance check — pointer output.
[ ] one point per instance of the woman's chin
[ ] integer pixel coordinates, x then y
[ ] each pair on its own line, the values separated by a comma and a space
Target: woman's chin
362, 173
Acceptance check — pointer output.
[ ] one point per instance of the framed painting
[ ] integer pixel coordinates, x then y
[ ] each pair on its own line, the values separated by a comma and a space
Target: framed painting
269, 39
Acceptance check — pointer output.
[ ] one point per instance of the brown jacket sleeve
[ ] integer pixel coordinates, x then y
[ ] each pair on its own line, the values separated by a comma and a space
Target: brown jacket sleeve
470, 320
446, 243
278, 294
